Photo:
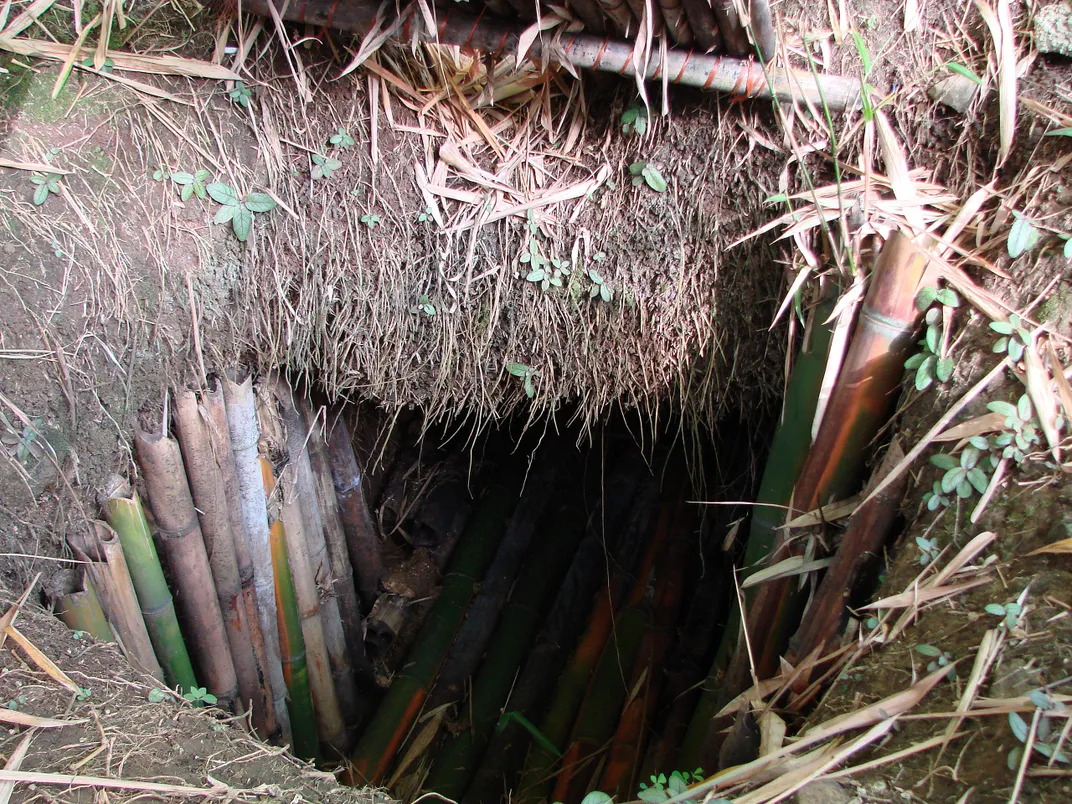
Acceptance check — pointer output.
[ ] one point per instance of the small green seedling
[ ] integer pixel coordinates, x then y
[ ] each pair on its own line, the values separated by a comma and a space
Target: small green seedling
1022, 433
1023, 236
16, 702
425, 305
425, 216
199, 696
929, 364
664, 787
161, 174
107, 67
961, 476
45, 186
600, 289
157, 695
239, 212
240, 94
635, 119
646, 173
1014, 337
871, 623
1011, 612
370, 220
939, 658
595, 797
548, 274
526, 373
936, 498
1047, 740
928, 550
191, 184
341, 139
83, 694
324, 165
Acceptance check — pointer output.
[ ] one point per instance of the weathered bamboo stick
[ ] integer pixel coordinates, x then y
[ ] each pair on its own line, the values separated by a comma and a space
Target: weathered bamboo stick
265, 716
107, 568
244, 434
676, 24
361, 537
124, 513
762, 28
209, 490
79, 608
866, 388
292, 649
180, 536
404, 700
316, 551
704, 26
342, 572
734, 37
737, 76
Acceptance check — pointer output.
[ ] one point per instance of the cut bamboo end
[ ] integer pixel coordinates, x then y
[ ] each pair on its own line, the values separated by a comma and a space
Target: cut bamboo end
123, 510
79, 608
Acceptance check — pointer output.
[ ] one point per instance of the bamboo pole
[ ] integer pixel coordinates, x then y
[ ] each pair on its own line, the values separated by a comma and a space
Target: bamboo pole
244, 434
321, 571
737, 76
361, 537
292, 649
180, 536
342, 572
859, 405
209, 490
704, 26
734, 37
110, 575
676, 24
472, 638
122, 509
455, 762
405, 698
265, 716
80, 610
762, 28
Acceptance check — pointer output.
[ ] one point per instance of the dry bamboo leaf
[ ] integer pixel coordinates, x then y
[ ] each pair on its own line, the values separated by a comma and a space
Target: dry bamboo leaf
831, 512
1057, 548
965, 556
132, 62
68, 63
1039, 389
14, 762
771, 733
911, 16
16, 718
924, 594
1000, 26
904, 188
26, 18
980, 425
13, 611
786, 568
1064, 390
42, 661
71, 780
896, 756
423, 739
40, 167
991, 488
989, 646
755, 692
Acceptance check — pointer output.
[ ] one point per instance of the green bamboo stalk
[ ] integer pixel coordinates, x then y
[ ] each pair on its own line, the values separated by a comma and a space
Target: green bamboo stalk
291, 642
80, 610
123, 510
405, 698
456, 760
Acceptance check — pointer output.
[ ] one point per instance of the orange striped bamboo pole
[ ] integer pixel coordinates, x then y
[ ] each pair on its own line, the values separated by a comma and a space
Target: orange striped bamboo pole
265, 717
180, 535
244, 434
213, 510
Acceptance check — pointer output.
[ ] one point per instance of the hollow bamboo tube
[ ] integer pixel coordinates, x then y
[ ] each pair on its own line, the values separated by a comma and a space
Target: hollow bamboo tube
203, 471
342, 571
737, 76
622, 21
604, 536
588, 12
762, 28
180, 536
734, 37
455, 762
575, 680
361, 537
704, 25
409, 690
329, 719
124, 513
676, 24
472, 638
321, 570
858, 406
788, 452
292, 649
80, 610
108, 570
265, 715
244, 434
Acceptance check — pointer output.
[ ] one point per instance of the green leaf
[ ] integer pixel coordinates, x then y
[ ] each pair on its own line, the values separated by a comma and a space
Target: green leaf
960, 69
606, 293
861, 49
182, 178
1068, 249
536, 275
1059, 132
979, 442
530, 389
1023, 408
925, 373
995, 608
1019, 726
222, 194
40, 195
934, 316
1001, 345
638, 180
1016, 349
202, 175
654, 179
928, 650
914, 361
948, 297
932, 338
596, 797
224, 214
969, 458
1002, 327
242, 222
951, 479
260, 202
944, 461
209, 698
518, 369
944, 370
977, 477
926, 296
186, 192
1022, 236
637, 168
1000, 406
964, 488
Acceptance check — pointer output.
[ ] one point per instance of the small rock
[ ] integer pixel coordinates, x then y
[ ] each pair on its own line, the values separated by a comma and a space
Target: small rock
826, 791
1053, 29
955, 91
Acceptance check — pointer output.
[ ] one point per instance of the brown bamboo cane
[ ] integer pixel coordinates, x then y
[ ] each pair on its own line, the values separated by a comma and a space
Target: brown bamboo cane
704, 26
761, 26
622, 21
244, 434
319, 561
78, 607
859, 404
213, 510
180, 535
329, 720
734, 37
588, 12
676, 23
107, 568
342, 571
264, 716
739, 77
361, 536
